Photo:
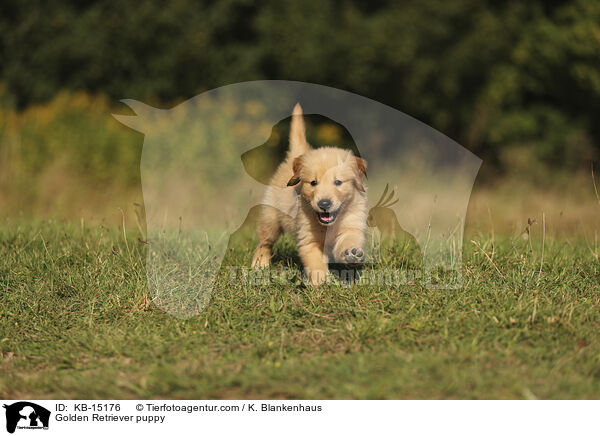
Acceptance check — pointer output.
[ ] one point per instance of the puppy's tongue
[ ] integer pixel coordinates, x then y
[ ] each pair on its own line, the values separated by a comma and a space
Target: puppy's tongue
326, 217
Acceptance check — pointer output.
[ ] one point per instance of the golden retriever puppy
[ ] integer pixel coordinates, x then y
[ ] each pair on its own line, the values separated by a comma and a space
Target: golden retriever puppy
316, 195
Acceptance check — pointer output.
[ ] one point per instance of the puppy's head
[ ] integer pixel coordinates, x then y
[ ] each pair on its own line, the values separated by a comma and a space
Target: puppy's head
329, 179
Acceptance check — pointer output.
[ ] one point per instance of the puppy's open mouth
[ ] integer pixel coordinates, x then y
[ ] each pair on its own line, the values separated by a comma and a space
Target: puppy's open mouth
327, 217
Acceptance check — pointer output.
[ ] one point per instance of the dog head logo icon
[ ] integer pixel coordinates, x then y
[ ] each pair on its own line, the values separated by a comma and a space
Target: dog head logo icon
26, 415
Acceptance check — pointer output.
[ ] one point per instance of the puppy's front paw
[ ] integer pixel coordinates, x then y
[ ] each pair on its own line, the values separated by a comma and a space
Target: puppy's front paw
261, 260
354, 255
316, 277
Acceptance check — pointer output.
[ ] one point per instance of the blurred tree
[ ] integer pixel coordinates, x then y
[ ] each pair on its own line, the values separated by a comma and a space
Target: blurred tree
501, 78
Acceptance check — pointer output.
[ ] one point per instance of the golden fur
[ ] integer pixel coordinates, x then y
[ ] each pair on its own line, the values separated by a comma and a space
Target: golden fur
292, 205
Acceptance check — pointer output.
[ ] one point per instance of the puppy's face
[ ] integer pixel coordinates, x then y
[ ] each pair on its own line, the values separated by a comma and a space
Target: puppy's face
329, 179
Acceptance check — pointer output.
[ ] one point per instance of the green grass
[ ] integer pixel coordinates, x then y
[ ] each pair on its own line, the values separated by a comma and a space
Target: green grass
76, 322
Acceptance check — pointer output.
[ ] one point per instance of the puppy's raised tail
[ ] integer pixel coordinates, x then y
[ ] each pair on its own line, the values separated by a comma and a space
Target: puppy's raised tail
298, 144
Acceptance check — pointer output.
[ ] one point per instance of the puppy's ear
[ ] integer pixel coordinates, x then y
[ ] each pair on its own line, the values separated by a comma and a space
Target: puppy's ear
297, 167
361, 170
361, 164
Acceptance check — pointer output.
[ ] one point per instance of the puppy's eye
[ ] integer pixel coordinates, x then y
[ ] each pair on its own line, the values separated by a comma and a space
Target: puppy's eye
337, 182
313, 183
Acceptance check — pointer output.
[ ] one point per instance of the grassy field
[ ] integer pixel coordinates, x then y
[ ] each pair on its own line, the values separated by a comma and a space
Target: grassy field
76, 322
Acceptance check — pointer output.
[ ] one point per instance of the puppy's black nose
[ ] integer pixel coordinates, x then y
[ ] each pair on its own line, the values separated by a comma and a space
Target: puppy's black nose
324, 204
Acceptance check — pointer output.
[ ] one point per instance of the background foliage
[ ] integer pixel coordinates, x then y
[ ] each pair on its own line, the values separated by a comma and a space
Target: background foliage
518, 83
490, 75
